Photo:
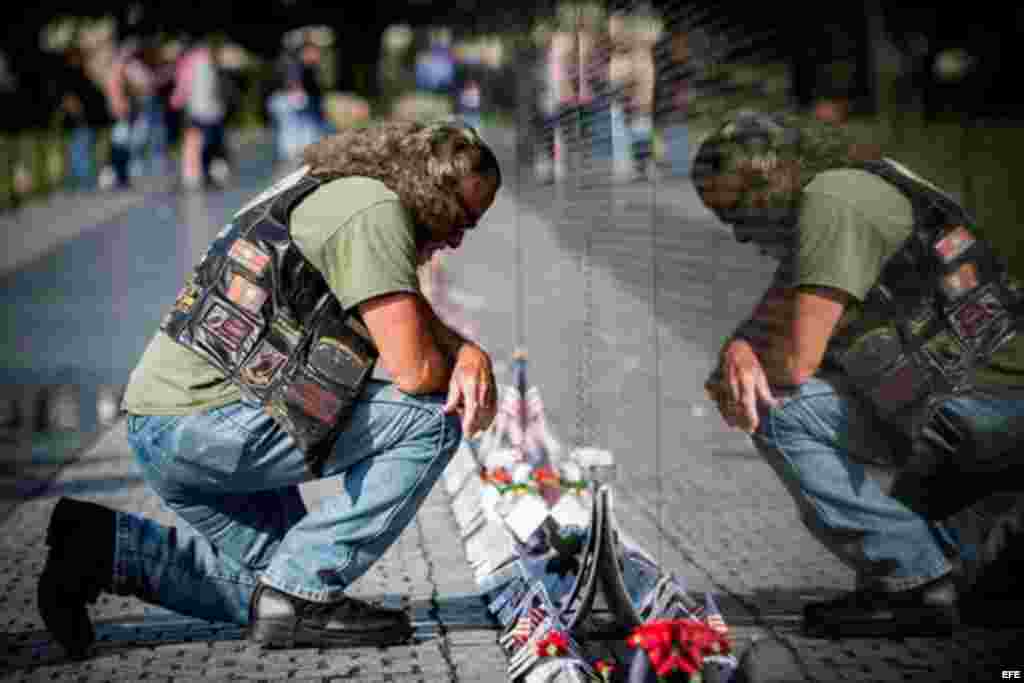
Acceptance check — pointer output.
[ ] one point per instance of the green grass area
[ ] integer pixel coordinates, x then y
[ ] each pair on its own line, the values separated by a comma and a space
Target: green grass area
982, 165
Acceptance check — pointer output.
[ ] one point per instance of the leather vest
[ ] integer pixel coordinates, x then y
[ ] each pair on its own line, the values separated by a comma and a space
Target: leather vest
943, 304
265, 317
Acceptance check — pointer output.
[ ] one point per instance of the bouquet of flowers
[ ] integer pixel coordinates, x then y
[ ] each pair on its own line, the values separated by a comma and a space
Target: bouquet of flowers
675, 649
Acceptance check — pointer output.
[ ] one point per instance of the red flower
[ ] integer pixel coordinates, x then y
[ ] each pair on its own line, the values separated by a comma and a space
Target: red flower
553, 644
501, 476
604, 668
546, 475
677, 645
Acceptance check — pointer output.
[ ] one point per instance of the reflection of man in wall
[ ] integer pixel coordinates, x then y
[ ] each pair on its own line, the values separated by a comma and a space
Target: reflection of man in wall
888, 328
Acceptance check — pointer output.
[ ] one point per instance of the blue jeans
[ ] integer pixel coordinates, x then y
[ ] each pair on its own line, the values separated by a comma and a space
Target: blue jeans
121, 151
232, 475
812, 440
149, 137
213, 146
597, 123
82, 158
677, 149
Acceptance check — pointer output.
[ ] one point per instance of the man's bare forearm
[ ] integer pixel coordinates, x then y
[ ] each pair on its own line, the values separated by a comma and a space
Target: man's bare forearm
448, 341
768, 330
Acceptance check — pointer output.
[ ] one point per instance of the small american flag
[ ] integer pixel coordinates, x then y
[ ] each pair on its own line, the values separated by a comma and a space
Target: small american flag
713, 615
526, 624
717, 623
954, 243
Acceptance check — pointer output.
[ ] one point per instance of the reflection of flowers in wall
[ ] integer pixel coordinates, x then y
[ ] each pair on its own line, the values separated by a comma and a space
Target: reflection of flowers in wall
540, 480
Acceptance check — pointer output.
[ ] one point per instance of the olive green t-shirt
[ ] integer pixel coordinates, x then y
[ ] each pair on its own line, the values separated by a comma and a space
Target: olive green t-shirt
850, 223
353, 230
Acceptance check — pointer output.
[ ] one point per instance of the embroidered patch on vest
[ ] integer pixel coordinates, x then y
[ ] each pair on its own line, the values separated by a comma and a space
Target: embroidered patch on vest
249, 256
971, 319
338, 362
229, 329
263, 365
186, 297
961, 281
899, 386
246, 294
954, 243
314, 400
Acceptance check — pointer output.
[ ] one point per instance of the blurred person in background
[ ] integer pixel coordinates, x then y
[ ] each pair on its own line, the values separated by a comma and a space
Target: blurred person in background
311, 68
672, 92
545, 104
888, 336
639, 99
470, 103
199, 95
435, 67
149, 129
469, 79
288, 107
557, 102
127, 81
84, 112
620, 70
594, 46
330, 254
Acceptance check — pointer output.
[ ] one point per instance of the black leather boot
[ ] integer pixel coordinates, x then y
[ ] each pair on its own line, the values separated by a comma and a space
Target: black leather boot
279, 620
928, 610
79, 566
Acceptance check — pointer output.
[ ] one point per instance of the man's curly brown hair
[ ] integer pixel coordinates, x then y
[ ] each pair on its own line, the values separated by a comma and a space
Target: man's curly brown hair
421, 163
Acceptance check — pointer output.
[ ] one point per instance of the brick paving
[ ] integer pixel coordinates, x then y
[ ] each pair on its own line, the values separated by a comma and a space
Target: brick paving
424, 572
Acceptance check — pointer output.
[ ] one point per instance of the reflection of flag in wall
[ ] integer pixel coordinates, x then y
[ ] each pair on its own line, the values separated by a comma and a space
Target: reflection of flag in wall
511, 410
540, 445
507, 429
525, 625
713, 615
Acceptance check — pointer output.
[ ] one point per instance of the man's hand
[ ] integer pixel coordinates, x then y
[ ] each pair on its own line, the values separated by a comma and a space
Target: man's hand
472, 391
738, 385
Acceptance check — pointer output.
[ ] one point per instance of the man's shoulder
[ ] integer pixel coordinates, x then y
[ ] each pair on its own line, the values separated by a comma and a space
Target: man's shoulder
868, 193
338, 200
849, 183
358, 189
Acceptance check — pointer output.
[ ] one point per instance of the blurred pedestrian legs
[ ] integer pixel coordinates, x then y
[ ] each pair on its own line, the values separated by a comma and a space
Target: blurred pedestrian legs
82, 159
149, 138
677, 149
